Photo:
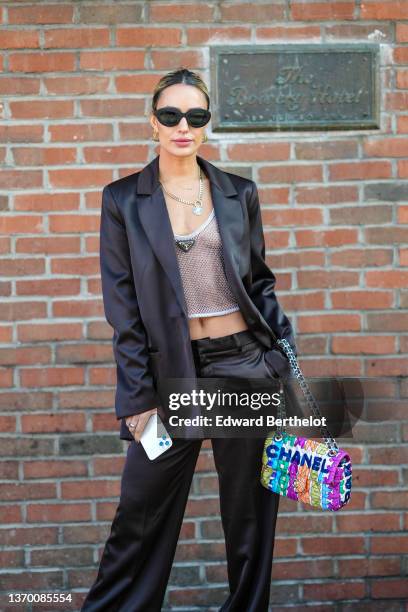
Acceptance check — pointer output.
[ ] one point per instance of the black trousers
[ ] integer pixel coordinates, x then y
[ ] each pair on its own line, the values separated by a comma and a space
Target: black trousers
139, 552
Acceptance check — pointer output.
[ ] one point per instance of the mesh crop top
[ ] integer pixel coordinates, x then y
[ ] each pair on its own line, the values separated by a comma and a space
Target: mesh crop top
202, 270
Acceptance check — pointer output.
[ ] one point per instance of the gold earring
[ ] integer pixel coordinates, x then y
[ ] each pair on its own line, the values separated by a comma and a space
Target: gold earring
155, 135
205, 137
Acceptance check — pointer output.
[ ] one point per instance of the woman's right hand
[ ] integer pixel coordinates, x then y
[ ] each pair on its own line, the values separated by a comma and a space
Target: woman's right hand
137, 422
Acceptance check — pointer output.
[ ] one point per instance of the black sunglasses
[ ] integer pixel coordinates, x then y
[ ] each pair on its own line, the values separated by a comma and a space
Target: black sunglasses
171, 116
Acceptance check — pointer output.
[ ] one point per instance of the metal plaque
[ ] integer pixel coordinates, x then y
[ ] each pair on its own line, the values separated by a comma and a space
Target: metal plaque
294, 87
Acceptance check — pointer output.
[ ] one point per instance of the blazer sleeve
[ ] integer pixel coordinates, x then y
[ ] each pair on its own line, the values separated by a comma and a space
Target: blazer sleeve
135, 392
263, 280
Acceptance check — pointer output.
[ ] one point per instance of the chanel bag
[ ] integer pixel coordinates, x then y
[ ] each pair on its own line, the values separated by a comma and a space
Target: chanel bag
316, 473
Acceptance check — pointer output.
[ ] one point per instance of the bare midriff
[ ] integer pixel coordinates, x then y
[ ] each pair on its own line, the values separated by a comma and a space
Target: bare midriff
221, 325
183, 221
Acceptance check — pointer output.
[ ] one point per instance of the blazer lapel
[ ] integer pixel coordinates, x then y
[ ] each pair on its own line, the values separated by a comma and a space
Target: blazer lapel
155, 219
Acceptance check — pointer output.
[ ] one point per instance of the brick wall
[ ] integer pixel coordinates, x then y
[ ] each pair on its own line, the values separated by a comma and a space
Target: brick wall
75, 84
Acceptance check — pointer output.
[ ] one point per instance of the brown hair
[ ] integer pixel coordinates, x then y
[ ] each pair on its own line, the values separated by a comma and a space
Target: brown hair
181, 75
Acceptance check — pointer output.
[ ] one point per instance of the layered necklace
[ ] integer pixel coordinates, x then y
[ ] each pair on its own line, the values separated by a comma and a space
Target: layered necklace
196, 204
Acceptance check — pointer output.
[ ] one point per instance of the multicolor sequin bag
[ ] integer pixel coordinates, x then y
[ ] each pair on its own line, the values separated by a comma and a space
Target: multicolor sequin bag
301, 469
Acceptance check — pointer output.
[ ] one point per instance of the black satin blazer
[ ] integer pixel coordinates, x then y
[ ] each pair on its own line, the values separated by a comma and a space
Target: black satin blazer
142, 288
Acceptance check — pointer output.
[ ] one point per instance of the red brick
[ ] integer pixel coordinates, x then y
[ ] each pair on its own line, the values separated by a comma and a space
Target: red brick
388, 455
74, 223
102, 376
78, 177
321, 11
80, 308
38, 581
12, 39
384, 10
27, 355
163, 60
49, 332
372, 566
332, 194
114, 155
387, 278
48, 245
275, 217
9, 469
332, 237
71, 132
389, 544
53, 423
85, 489
389, 499
118, 107
28, 536
359, 258
21, 224
371, 477
51, 286
401, 32
261, 151
10, 513
105, 511
85, 533
46, 156
42, 109
112, 60
6, 334
148, 37
76, 266
308, 279
21, 267
386, 147
329, 323
6, 380
202, 507
104, 422
333, 545
103, 466
99, 330
184, 12
74, 353
387, 367
390, 588
58, 513
221, 34
363, 344
25, 491
366, 522
76, 38
334, 590
55, 469
291, 173
360, 171
285, 33
250, 12
11, 559
50, 13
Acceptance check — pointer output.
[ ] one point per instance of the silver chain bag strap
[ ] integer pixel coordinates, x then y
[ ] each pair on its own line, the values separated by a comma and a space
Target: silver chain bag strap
302, 469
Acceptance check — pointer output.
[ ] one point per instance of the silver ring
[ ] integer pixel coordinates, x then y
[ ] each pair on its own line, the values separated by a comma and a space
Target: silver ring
131, 426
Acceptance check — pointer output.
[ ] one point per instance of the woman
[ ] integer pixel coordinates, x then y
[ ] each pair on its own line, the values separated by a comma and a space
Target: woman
188, 293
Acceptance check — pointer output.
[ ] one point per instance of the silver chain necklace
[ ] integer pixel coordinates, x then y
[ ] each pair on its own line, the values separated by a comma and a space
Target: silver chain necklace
196, 204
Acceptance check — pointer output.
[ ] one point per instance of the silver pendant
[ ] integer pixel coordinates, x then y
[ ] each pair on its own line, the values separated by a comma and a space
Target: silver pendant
197, 209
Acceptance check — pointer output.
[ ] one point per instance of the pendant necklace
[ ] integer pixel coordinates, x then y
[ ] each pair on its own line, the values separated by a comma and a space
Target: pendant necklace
196, 204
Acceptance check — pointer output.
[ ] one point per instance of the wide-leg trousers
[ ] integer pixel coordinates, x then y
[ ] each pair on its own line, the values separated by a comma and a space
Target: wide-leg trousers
139, 552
